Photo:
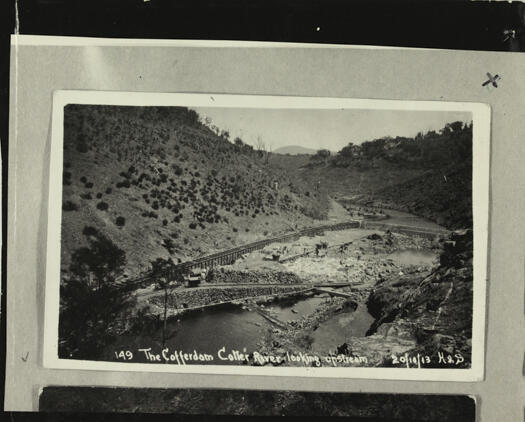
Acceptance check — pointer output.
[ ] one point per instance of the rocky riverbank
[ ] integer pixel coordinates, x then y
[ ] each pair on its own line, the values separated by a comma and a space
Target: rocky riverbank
423, 318
226, 276
440, 305
415, 310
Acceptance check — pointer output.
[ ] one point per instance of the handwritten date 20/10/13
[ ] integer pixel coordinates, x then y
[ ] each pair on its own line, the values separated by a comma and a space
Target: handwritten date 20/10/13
419, 361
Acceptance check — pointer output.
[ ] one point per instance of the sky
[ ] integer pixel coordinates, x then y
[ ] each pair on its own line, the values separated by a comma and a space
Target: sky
324, 129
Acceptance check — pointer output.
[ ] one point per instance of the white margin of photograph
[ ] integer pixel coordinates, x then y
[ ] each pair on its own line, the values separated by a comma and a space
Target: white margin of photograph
66, 41
480, 202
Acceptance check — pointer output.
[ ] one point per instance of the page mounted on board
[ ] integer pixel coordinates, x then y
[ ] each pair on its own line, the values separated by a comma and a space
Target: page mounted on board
267, 235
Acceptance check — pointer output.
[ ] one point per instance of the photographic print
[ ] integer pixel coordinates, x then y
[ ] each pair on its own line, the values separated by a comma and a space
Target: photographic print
358, 406
267, 235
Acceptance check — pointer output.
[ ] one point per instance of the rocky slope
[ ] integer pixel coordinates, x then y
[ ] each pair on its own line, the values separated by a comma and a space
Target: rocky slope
429, 175
442, 196
435, 311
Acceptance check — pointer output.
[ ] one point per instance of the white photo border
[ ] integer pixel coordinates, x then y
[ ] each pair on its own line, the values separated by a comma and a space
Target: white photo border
480, 204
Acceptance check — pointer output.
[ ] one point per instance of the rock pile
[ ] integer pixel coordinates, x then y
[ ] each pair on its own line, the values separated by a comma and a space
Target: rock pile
193, 298
255, 277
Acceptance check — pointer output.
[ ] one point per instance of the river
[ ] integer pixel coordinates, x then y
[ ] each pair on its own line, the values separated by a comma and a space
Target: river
405, 219
236, 328
231, 326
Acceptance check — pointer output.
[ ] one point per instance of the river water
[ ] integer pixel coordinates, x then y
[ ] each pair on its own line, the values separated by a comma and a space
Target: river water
207, 331
337, 330
234, 328
294, 310
421, 257
405, 219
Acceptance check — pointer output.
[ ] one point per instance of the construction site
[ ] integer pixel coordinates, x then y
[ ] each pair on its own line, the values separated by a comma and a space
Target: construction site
308, 293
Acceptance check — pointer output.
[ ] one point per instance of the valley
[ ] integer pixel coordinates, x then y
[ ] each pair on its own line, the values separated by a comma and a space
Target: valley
177, 237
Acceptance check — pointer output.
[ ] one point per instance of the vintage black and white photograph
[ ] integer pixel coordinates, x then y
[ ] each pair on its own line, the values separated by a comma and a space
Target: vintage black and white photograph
279, 235
262, 403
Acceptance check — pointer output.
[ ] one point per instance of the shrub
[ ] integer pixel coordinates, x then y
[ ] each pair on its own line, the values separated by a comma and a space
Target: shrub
69, 206
164, 222
177, 169
169, 245
193, 226
102, 206
99, 195
121, 221
83, 179
89, 231
86, 196
108, 191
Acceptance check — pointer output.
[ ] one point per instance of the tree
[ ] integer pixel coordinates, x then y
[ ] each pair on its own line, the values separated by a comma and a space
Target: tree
160, 269
91, 303
348, 151
260, 145
102, 261
373, 149
322, 155
453, 129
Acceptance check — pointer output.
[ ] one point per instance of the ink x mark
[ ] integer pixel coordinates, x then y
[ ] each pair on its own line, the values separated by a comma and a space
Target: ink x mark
492, 80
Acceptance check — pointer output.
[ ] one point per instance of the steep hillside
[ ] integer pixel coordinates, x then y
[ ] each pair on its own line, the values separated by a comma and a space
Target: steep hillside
442, 196
439, 307
429, 175
159, 183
